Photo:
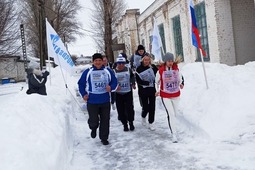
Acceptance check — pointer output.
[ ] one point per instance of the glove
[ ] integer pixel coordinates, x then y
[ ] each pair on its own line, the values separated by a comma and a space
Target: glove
45, 74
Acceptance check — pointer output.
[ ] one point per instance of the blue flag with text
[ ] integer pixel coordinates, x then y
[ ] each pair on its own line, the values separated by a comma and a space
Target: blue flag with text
57, 49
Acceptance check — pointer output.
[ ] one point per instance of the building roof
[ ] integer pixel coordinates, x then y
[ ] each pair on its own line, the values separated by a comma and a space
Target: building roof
9, 56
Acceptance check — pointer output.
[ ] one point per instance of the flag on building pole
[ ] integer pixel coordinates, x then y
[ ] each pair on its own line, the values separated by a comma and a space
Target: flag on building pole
156, 43
196, 38
194, 30
57, 49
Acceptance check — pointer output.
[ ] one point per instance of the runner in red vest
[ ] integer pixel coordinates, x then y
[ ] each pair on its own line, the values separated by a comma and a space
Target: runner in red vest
171, 81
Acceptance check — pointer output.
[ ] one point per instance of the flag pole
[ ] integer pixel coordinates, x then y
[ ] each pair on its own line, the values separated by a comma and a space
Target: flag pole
202, 59
163, 51
49, 64
196, 37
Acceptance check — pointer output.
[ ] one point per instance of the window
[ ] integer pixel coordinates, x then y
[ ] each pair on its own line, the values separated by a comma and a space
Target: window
143, 42
177, 36
202, 26
162, 35
150, 46
150, 38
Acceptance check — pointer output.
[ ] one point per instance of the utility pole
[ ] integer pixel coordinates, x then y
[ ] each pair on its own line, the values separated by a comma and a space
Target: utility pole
42, 34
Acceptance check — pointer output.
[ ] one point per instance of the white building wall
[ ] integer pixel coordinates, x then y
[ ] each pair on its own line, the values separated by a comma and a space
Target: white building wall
230, 24
212, 31
10, 68
21, 74
224, 32
243, 16
181, 9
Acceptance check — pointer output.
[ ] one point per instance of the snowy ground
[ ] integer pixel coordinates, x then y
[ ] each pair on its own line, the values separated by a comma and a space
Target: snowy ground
216, 127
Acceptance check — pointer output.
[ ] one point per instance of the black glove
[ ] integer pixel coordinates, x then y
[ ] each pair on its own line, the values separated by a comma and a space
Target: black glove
45, 74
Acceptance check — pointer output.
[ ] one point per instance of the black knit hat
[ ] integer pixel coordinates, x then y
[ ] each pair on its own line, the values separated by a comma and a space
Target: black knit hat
96, 56
124, 55
140, 47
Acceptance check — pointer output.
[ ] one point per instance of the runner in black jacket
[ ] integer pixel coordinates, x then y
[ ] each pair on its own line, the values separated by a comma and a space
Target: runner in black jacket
145, 77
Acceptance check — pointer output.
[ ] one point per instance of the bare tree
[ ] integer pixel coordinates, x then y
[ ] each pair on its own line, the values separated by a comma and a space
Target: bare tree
61, 14
9, 28
106, 14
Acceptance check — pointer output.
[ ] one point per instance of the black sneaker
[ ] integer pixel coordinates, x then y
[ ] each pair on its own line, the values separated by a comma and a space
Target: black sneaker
93, 133
105, 142
131, 126
126, 128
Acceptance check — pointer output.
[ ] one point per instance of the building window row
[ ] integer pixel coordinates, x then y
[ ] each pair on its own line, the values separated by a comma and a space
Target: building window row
177, 33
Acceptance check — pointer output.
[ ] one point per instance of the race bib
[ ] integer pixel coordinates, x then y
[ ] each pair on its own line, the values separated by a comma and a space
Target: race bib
148, 75
171, 81
124, 81
99, 80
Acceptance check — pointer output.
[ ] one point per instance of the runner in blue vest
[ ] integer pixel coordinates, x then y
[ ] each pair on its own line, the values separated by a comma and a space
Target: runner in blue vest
95, 86
124, 93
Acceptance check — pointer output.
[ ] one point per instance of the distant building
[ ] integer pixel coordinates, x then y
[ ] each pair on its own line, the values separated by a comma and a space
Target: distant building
127, 31
83, 60
227, 29
11, 67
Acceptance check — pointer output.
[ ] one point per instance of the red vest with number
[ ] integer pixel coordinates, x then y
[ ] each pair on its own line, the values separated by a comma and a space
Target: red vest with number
162, 93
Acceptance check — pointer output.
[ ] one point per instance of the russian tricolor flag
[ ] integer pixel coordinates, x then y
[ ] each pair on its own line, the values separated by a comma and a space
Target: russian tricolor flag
194, 31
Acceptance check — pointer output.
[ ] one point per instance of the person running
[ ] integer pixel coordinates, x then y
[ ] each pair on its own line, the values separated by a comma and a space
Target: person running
145, 77
107, 64
95, 85
136, 58
136, 61
127, 64
124, 94
171, 81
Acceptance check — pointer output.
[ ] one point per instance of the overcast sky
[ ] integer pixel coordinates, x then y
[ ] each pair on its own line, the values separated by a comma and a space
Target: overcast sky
85, 45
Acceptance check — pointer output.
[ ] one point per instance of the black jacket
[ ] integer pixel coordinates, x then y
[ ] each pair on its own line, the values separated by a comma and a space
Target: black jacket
36, 83
146, 91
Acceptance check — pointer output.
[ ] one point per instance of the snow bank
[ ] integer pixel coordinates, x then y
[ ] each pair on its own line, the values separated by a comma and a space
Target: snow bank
35, 130
224, 109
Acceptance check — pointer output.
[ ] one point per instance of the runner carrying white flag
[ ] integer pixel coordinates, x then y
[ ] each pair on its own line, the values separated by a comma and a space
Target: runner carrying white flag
57, 49
156, 43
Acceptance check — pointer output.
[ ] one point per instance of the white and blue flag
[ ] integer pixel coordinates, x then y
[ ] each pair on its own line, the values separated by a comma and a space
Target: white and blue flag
156, 43
57, 49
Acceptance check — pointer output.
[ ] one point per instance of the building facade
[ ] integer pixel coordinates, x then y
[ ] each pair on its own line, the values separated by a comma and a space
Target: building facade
127, 30
226, 27
11, 67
